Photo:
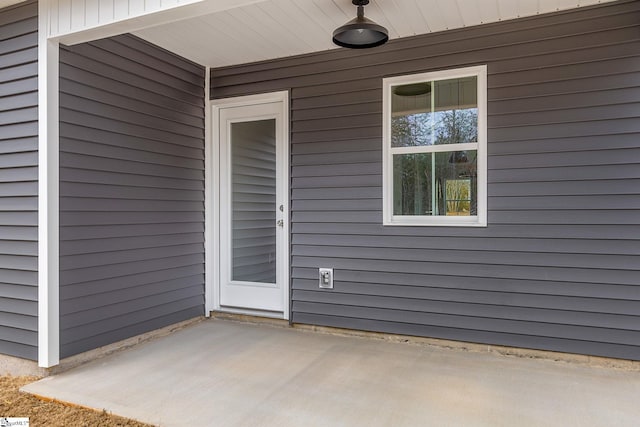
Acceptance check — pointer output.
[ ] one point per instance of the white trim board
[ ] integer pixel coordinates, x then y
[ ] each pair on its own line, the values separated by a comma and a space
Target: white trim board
210, 217
48, 196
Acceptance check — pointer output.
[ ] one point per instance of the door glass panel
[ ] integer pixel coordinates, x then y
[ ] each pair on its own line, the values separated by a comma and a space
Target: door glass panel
253, 217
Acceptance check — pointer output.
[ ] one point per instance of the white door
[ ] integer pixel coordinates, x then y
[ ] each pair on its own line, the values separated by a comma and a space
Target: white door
253, 205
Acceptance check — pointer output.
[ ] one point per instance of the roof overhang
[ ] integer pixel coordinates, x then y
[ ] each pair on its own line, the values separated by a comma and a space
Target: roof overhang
7, 3
219, 33
272, 29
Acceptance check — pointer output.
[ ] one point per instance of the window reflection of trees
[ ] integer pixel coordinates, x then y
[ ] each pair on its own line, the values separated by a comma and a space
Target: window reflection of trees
438, 183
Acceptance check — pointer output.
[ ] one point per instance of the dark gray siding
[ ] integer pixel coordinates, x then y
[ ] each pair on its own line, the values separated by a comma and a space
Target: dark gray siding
557, 267
19, 180
131, 191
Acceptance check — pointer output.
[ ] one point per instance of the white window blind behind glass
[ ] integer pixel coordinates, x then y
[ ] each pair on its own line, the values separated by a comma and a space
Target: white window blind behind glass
253, 166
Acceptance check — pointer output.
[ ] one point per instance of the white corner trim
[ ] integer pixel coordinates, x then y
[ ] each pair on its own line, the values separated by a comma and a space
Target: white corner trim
48, 196
483, 146
210, 230
286, 178
213, 164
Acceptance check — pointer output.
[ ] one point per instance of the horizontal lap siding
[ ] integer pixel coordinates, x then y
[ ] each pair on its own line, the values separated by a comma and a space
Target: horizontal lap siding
557, 268
19, 181
131, 191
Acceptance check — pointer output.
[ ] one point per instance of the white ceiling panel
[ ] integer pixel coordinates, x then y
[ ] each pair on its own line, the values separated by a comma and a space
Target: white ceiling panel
527, 8
450, 14
413, 22
432, 15
272, 29
508, 9
470, 12
6, 3
487, 10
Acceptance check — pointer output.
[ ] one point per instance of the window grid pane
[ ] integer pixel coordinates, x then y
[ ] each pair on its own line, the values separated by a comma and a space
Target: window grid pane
435, 184
434, 113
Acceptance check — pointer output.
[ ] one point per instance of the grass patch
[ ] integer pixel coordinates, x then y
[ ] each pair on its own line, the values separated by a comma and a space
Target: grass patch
13, 403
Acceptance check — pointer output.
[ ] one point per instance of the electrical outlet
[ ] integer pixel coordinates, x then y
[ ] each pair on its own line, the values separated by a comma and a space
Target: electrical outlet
325, 278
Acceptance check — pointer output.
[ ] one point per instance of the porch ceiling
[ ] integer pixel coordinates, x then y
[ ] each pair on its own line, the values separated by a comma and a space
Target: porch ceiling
269, 29
6, 3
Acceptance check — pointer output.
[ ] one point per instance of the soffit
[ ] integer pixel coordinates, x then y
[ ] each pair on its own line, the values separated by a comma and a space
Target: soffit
272, 29
7, 3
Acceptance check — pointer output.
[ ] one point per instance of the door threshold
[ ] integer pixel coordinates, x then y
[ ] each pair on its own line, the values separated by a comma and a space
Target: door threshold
250, 319
231, 312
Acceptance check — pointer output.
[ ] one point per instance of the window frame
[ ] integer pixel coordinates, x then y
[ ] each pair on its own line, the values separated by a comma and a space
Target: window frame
479, 220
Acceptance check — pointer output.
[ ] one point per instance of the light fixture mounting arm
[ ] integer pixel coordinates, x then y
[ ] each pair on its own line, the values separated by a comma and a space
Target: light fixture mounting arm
361, 4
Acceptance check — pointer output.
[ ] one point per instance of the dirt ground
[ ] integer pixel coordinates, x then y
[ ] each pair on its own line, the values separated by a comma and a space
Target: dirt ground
42, 413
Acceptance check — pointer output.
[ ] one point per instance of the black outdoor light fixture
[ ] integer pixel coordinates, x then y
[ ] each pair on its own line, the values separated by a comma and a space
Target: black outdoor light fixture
360, 32
413, 89
458, 157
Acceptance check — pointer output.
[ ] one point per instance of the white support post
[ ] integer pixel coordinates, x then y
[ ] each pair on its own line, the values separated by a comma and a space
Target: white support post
48, 192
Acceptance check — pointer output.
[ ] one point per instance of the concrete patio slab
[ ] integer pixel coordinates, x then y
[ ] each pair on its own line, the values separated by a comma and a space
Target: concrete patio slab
224, 373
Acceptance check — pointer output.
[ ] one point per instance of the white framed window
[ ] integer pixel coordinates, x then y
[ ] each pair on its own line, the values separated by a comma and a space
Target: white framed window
435, 148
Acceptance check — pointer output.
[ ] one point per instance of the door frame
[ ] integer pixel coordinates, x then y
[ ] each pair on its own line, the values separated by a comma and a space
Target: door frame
212, 201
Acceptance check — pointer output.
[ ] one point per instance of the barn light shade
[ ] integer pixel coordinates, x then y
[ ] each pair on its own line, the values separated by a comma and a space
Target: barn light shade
458, 157
360, 32
413, 89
